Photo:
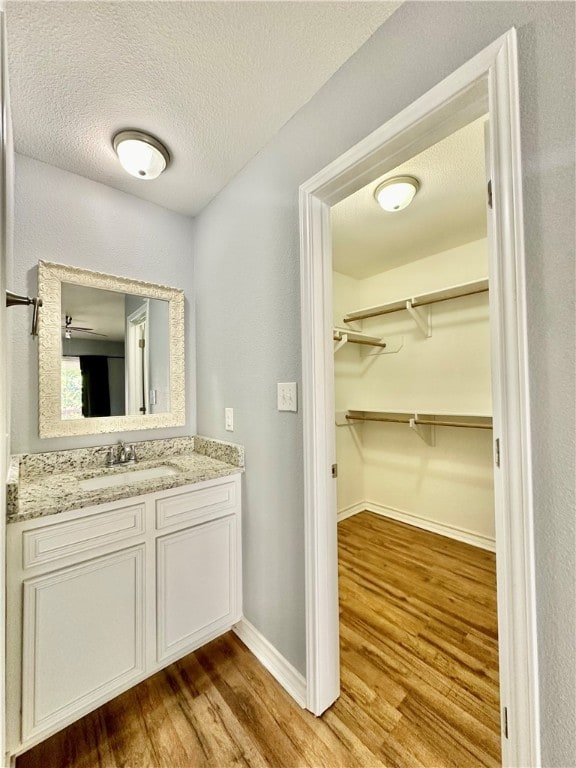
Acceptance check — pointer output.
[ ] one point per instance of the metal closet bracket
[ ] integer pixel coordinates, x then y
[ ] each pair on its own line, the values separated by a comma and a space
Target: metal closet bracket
391, 349
343, 341
15, 300
426, 432
424, 323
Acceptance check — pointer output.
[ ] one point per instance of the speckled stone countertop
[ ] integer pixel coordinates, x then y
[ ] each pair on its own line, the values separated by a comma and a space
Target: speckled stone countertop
41, 484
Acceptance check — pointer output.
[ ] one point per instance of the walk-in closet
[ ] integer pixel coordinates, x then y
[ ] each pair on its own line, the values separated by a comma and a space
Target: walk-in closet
418, 618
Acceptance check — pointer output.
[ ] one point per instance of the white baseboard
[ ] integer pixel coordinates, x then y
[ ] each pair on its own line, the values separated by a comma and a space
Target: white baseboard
353, 509
288, 677
444, 529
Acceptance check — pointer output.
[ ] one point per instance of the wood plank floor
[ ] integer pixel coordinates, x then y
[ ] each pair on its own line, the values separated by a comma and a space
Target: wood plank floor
419, 678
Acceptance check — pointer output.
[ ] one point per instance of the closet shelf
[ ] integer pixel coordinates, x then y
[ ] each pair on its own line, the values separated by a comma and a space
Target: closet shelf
423, 424
347, 335
421, 300
463, 420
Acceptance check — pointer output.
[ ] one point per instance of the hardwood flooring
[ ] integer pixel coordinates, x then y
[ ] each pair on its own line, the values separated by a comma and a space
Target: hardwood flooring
419, 678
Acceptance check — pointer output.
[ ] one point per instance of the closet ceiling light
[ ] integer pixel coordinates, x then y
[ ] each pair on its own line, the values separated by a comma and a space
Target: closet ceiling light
140, 154
397, 193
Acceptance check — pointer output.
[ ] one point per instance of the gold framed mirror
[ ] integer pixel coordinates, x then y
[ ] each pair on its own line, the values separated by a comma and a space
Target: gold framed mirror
110, 353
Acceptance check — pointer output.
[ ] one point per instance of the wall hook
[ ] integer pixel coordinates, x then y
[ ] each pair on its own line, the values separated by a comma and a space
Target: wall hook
15, 300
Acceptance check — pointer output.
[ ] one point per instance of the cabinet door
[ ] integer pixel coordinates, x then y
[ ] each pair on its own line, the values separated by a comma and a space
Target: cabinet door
83, 637
198, 585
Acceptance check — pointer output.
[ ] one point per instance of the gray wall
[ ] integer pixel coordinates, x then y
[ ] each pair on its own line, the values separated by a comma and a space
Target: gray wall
117, 386
66, 218
247, 283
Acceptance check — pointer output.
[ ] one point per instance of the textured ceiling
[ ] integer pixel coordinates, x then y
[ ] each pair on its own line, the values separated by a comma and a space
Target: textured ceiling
214, 80
449, 209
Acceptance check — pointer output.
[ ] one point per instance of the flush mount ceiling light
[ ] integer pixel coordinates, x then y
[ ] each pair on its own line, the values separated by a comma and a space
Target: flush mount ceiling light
140, 154
397, 193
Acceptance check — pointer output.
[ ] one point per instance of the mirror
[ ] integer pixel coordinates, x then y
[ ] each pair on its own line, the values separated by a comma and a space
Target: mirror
111, 353
115, 353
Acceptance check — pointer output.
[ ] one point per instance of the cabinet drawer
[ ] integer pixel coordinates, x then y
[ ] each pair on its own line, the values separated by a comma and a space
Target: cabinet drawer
44, 545
196, 506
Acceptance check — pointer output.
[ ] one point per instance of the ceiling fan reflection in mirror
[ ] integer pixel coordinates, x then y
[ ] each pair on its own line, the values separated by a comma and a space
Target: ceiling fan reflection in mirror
68, 328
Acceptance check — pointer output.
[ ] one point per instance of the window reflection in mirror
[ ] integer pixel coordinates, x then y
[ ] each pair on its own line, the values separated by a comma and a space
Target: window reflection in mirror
114, 353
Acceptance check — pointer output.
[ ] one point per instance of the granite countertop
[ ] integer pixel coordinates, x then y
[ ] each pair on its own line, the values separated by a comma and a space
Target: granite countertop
48, 483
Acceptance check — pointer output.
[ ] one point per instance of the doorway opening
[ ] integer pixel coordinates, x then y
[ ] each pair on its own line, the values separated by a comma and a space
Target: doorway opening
137, 360
487, 84
414, 450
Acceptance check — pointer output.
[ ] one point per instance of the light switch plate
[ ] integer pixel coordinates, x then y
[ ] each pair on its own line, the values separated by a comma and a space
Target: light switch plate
229, 419
287, 396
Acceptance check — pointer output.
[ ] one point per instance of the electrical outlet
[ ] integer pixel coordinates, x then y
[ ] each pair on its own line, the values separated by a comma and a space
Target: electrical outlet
287, 396
229, 419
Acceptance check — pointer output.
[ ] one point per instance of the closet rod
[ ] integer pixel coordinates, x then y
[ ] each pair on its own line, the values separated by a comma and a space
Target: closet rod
338, 337
448, 298
426, 422
467, 424
16, 300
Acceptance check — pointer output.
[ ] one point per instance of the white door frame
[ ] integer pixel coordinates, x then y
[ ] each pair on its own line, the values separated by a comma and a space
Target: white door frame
487, 83
6, 227
137, 373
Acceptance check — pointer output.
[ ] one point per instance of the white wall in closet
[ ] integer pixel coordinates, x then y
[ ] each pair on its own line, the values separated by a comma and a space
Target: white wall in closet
347, 383
450, 371
449, 485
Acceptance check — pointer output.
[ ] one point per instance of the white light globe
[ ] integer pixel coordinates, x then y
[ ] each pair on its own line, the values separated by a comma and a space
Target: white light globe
396, 194
140, 155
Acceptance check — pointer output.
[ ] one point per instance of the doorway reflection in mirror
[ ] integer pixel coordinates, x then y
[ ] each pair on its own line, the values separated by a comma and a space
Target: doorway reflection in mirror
115, 353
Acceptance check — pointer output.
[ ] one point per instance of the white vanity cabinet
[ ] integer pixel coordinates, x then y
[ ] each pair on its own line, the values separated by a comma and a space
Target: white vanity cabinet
102, 597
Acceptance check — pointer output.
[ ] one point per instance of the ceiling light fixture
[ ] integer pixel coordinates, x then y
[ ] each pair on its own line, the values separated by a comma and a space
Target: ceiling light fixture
397, 193
140, 154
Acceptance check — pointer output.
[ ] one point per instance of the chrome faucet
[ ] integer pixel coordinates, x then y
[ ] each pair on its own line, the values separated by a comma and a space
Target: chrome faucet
126, 454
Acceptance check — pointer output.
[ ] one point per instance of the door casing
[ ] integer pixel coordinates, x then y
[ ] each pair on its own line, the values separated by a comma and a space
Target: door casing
6, 234
488, 83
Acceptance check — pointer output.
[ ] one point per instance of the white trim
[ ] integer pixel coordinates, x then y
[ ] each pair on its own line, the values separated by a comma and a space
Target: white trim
137, 328
511, 419
6, 247
488, 82
443, 529
287, 675
353, 509
321, 543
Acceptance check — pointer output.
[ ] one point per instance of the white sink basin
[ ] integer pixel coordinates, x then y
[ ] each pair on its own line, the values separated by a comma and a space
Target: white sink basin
126, 478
